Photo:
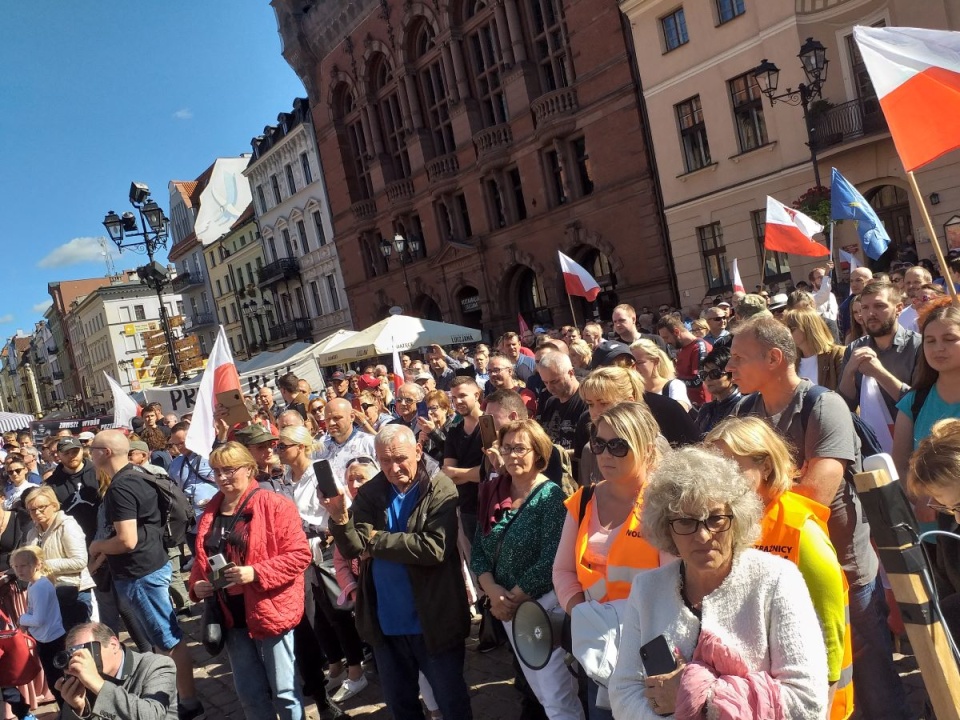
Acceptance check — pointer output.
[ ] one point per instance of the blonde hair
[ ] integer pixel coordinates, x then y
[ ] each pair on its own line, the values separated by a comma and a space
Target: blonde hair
582, 350
539, 440
634, 422
298, 435
613, 384
701, 325
649, 348
936, 461
754, 438
44, 491
812, 326
233, 454
34, 551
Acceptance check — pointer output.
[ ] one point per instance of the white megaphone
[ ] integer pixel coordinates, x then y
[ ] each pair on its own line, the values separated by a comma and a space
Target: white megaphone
536, 633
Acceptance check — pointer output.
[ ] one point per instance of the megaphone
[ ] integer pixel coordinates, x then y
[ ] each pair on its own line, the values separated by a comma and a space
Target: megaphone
536, 633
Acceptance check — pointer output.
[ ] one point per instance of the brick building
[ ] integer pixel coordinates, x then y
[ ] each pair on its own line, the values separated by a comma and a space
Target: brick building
488, 135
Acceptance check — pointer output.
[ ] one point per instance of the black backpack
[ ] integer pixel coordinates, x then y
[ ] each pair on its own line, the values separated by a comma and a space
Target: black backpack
176, 511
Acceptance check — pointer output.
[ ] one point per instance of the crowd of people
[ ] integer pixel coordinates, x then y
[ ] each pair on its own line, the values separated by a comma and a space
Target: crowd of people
676, 489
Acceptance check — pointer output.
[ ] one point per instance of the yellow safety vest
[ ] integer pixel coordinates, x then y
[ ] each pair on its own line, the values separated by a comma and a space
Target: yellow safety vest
780, 530
629, 555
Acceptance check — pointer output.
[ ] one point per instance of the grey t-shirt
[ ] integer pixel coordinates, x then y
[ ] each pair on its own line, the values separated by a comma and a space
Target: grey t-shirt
829, 434
899, 360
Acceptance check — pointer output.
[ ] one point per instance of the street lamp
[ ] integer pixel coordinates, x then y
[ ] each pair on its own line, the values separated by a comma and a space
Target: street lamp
813, 60
253, 310
401, 243
154, 235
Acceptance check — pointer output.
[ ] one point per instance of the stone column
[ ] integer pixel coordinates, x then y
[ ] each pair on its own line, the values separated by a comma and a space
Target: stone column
516, 31
450, 75
503, 33
373, 124
410, 82
459, 68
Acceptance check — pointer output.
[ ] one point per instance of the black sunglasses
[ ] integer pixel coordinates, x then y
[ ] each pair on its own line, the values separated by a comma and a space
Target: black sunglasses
714, 374
618, 447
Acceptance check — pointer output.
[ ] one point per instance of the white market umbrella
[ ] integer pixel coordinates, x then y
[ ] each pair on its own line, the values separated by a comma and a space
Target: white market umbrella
400, 332
332, 340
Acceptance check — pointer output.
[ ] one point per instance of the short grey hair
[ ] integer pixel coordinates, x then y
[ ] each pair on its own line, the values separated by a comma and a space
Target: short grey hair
688, 481
770, 333
556, 361
293, 415
414, 389
393, 432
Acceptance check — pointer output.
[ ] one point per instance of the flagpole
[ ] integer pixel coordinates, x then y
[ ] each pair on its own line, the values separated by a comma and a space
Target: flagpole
944, 269
763, 270
572, 313
834, 273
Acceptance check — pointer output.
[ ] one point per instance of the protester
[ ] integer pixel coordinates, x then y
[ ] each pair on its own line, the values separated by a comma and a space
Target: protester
409, 395
913, 281
412, 605
593, 334
721, 387
657, 372
463, 452
564, 407
75, 483
434, 428
601, 547
716, 319
821, 359
19, 480
740, 622
523, 365
691, 353
125, 684
856, 321
343, 441
192, 474
443, 374
826, 301
581, 355
859, 277
260, 535
514, 548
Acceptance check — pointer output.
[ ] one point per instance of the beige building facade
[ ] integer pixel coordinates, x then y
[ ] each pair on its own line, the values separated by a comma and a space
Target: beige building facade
721, 147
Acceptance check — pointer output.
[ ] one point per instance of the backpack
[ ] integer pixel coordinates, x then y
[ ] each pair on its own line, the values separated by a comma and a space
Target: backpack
176, 510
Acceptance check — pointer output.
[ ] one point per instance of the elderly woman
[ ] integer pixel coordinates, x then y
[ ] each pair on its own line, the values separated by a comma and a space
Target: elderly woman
657, 371
821, 359
65, 554
602, 526
258, 533
794, 527
433, 428
522, 515
738, 619
581, 354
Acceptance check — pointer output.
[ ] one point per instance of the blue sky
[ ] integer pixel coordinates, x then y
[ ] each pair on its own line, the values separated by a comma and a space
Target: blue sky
97, 93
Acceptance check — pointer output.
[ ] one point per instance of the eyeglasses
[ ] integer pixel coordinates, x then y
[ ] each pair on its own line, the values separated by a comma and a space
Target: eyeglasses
226, 472
16, 471
433, 408
366, 406
318, 408
362, 460
515, 450
618, 447
284, 446
39, 509
493, 369
714, 374
272, 444
945, 509
713, 524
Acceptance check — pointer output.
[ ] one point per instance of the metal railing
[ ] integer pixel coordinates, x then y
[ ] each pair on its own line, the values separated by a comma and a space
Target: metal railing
278, 270
185, 280
298, 328
845, 122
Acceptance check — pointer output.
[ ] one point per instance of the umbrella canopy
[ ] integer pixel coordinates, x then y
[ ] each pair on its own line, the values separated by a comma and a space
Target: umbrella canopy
14, 421
333, 339
400, 332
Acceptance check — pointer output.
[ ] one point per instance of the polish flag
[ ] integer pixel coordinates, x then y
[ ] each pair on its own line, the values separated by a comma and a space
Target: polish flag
398, 376
916, 74
737, 282
219, 376
522, 328
790, 231
850, 259
577, 280
125, 408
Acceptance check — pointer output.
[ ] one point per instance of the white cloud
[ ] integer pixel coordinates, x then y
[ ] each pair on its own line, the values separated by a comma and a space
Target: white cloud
183, 114
4, 319
41, 307
79, 250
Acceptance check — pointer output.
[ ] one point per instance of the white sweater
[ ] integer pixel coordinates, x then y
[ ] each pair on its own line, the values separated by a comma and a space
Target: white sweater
762, 610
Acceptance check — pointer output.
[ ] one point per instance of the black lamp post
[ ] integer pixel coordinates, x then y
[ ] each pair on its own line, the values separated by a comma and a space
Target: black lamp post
813, 59
400, 243
153, 235
253, 310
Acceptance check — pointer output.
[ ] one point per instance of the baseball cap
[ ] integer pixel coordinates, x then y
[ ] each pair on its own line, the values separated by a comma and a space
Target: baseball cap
778, 301
253, 435
139, 445
607, 351
86, 436
337, 376
351, 373
69, 443
751, 306
423, 376
369, 382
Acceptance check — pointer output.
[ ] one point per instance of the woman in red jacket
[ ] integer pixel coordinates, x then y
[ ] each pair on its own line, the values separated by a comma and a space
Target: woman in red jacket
258, 536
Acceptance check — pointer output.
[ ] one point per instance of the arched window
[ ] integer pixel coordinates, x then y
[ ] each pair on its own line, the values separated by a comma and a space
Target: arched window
391, 119
548, 33
531, 299
485, 58
346, 112
432, 86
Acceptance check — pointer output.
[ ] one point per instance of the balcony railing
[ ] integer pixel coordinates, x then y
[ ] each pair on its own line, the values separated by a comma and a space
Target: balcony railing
400, 190
558, 103
187, 279
443, 167
281, 269
57, 374
198, 320
364, 209
52, 349
298, 329
845, 122
492, 139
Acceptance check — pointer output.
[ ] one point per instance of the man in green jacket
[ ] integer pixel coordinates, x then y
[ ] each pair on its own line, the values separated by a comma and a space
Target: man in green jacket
411, 602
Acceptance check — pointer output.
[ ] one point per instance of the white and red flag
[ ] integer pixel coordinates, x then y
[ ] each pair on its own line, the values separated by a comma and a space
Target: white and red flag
125, 408
577, 280
522, 328
790, 231
737, 281
398, 377
219, 376
916, 75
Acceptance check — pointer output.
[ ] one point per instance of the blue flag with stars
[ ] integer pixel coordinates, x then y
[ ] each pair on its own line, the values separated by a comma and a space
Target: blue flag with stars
846, 203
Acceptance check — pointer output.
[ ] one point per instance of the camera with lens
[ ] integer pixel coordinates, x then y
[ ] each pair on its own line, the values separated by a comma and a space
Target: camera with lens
62, 658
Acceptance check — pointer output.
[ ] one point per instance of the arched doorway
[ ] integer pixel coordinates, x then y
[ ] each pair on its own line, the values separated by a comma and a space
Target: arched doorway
468, 300
893, 208
428, 308
531, 300
599, 266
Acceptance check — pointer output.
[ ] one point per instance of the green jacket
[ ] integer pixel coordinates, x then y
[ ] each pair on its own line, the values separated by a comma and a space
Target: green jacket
428, 549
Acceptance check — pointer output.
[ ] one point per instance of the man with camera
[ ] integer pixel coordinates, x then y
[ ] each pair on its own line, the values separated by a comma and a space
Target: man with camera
103, 679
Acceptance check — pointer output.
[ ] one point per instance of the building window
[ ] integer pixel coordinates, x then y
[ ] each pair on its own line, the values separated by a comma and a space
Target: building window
777, 267
291, 183
301, 302
486, 59
554, 172
219, 288
315, 291
727, 10
249, 275
179, 307
305, 166
334, 294
272, 245
498, 210
748, 111
287, 244
549, 36
693, 134
302, 232
391, 119
674, 27
275, 184
318, 224
433, 90
582, 160
239, 278
361, 159
714, 257
516, 188
138, 312
464, 214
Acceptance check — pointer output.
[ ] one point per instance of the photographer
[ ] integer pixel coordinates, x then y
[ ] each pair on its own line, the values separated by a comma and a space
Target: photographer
102, 679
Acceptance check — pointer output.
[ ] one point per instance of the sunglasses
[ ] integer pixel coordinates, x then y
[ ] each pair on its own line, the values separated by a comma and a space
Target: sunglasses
365, 406
284, 446
714, 374
617, 447
362, 460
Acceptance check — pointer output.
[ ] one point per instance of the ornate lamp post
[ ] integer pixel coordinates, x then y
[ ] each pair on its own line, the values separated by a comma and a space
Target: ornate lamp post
400, 243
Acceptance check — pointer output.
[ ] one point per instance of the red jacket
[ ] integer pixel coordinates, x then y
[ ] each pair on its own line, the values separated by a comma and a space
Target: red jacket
277, 550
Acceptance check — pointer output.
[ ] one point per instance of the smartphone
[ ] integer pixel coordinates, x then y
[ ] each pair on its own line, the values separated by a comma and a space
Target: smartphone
356, 403
219, 565
217, 562
488, 431
422, 410
657, 657
326, 484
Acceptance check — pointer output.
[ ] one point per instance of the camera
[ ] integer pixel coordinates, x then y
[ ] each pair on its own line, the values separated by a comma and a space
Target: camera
62, 658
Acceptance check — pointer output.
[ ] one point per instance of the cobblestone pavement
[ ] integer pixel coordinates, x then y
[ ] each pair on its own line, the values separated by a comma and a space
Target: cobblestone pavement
489, 676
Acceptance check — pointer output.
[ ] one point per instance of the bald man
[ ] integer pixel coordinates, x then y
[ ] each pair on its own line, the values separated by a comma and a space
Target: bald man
343, 440
137, 559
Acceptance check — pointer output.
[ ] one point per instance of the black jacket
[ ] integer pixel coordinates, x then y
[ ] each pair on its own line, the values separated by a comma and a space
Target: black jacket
428, 549
79, 495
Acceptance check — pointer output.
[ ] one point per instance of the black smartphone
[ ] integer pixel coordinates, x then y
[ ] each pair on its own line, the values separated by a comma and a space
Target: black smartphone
326, 485
422, 410
488, 431
657, 657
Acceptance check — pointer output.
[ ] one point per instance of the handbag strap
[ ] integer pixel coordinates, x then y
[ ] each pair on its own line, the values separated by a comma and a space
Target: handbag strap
503, 535
235, 518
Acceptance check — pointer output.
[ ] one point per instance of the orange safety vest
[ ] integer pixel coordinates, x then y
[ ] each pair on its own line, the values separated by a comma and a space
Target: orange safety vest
780, 530
629, 555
